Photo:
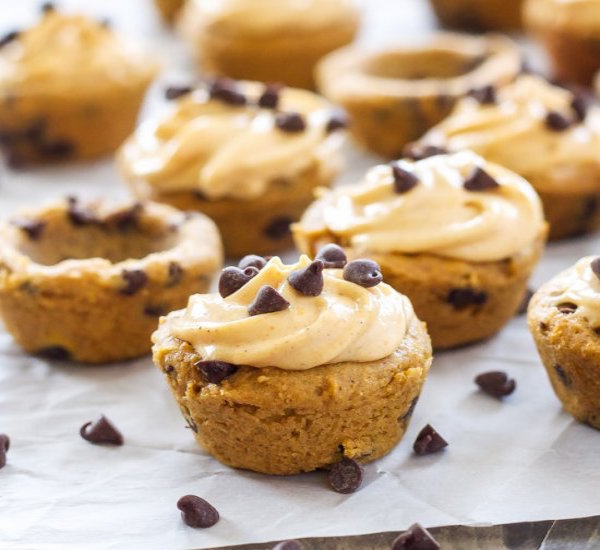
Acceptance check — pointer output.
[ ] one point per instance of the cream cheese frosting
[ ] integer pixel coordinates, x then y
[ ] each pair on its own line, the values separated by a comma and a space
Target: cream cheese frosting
235, 151
437, 216
70, 54
512, 132
578, 15
345, 322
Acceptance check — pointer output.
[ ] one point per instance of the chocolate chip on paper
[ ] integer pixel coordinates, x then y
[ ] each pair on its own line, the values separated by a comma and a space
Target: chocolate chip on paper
308, 280
366, 273
233, 278
197, 512
101, 431
332, 256
346, 476
496, 383
288, 545
4, 446
267, 300
429, 441
415, 537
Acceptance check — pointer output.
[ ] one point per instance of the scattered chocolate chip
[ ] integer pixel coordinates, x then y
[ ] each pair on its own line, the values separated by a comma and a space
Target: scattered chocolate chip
269, 99
226, 90
365, 273
525, 302
32, 228
47, 7
4, 446
278, 228
252, 260
595, 265
54, 353
78, 214
460, 298
234, 278
288, 545
429, 441
135, 280
332, 256
557, 122
290, 122
196, 512
308, 280
175, 274
415, 538
175, 92
485, 95
414, 151
101, 431
496, 383
580, 105
567, 308
267, 300
216, 371
564, 377
346, 476
480, 180
404, 180
9, 37
337, 121
155, 310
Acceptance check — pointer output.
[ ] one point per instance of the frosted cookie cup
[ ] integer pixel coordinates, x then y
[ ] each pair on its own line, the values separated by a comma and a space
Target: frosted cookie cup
295, 367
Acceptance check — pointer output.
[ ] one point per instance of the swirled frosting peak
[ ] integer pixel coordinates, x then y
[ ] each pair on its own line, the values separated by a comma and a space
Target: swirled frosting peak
454, 206
344, 322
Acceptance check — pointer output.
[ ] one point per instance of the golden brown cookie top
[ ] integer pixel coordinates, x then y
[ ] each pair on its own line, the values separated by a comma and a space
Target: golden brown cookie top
294, 317
454, 206
232, 139
70, 54
578, 15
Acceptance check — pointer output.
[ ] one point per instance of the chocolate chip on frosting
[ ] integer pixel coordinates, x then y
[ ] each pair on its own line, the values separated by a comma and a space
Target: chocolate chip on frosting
496, 383
135, 280
415, 538
269, 99
415, 151
267, 300
346, 476
332, 256
404, 180
78, 214
480, 180
429, 441
216, 371
580, 104
101, 431
32, 228
365, 273
4, 446
557, 122
196, 512
226, 90
486, 95
595, 266
9, 37
290, 122
252, 260
337, 121
234, 278
309, 280
174, 92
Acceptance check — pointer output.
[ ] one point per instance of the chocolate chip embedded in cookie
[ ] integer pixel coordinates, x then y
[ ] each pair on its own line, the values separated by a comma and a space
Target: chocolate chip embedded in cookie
216, 371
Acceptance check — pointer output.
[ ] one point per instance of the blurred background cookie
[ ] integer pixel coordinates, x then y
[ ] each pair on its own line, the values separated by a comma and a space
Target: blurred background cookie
479, 15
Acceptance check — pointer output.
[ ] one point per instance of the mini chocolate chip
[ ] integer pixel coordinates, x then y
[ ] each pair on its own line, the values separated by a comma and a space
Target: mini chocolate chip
32, 228
404, 180
496, 383
414, 151
567, 308
595, 265
155, 310
564, 377
267, 300
101, 431
252, 260
580, 105
54, 353
135, 280
337, 121
4, 446
332, 256
234, 278
543, 326
346, 476
9, 37
174, 274
290, 122
486, 95
525, 302
269, 99
175, 92
415, 538
80, 215
557, 122
278, 228
288, 545
461, 298
308, 280
226, 90
365, 273
480, 180
215, 371
429, 441
196, 512
169, 369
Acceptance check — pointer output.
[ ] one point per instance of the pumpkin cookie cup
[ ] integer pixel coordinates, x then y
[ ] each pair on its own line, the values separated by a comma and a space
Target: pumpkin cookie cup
457, 235
88, 281
295, 367
479, 15
267, 40
246, 154
547, 134
394, 96
70, 88
564, 319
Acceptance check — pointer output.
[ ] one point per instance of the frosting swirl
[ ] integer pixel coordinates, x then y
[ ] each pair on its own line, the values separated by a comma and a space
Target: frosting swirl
512, 132
71, 54
437, 216
236, 151
345, 322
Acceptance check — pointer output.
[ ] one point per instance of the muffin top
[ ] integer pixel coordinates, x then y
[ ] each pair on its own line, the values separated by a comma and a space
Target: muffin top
530, 127
70, 54
294, 317
577, 15
232, 139
454, 206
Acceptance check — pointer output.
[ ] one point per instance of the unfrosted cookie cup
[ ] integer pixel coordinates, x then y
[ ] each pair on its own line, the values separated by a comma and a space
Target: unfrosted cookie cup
564, 319
395, 95
457, 235
247, 155
69, 89
88, 282
267, 40
479, 15
333, 374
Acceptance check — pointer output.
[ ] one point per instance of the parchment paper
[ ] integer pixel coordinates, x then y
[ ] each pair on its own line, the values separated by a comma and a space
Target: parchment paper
519, 460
